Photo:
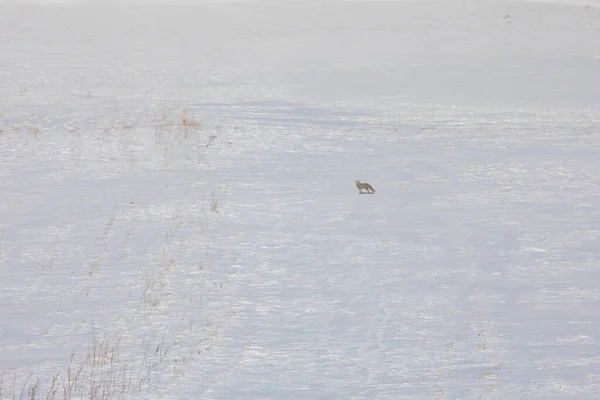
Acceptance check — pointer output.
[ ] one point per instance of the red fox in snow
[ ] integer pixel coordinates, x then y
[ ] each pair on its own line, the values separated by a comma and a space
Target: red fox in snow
364, 186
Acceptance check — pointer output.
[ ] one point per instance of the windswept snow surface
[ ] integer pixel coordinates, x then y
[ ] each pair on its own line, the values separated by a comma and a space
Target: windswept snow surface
178, 216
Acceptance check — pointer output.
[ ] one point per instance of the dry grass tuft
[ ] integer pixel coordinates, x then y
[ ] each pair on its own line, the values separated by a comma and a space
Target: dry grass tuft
187, 122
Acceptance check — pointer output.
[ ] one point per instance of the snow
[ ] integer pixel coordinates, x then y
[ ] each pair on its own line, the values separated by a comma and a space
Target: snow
178, 214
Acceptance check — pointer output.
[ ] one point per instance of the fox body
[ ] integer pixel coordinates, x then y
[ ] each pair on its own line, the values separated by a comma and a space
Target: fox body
364, 186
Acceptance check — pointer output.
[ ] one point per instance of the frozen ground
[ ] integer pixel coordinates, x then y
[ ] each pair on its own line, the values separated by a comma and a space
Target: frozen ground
178, 216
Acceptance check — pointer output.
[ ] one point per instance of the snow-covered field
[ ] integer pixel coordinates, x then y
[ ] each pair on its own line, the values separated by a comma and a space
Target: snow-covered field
178, 215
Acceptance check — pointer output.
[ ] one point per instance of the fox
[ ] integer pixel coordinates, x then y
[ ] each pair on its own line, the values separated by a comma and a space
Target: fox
364, 186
